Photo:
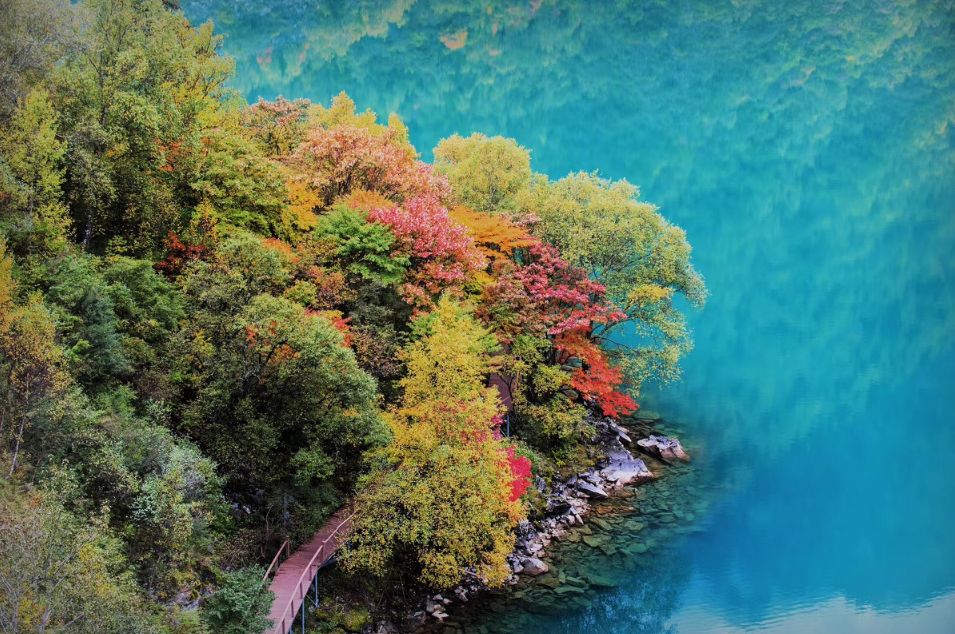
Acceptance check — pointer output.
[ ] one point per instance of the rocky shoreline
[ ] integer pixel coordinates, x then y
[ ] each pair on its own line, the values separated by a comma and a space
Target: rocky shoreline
568, 504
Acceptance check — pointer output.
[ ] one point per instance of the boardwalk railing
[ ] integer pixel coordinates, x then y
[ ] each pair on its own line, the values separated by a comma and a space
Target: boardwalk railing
287, 549
319, 559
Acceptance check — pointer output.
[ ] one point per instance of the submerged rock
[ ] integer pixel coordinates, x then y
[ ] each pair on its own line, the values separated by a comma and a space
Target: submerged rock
593, 542
664, 447
550, 582
599, 581
568, 590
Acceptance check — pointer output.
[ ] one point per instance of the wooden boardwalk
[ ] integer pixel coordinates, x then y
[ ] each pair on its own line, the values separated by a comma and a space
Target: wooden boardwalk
297, 574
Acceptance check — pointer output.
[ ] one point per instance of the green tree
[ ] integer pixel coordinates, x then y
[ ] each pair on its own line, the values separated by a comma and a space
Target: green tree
148, 310
233, 175
32, 366
34, 34
486, 173
137, 99
641, 259
59, 574
240, 605
544, 414
174, 513
270, 392
360, 247
154, 490
89, 329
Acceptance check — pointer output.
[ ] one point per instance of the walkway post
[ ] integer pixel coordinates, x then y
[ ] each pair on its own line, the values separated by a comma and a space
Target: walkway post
316, 589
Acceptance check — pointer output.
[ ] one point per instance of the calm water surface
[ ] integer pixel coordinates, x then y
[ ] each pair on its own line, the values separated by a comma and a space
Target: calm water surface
809, 151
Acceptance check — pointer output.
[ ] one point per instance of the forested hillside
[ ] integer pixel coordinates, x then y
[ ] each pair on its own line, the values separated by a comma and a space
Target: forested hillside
220, 321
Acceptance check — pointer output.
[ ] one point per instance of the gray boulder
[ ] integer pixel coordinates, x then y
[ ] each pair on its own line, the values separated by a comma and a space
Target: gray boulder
557, 505
624, 469
592, 490
665, 447
534, 566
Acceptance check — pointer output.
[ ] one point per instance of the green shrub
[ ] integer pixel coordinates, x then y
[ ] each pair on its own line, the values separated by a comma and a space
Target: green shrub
240, 605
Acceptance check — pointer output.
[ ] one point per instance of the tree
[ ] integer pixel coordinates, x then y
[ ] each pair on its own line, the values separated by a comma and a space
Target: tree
544, 295
58, 574
335, 161
240, 605
279, 125
641, 260
137, 99
171, 521
34, 34
232, 175
82, 302
178, 255
342, 112
362, 248
496, 236
270, 392
442, 255
442, 496
32, 366
545, 409
596, 380
158, 494
486, 173
31, 175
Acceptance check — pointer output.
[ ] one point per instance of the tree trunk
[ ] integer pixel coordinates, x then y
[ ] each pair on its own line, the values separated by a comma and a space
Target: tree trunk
16, 448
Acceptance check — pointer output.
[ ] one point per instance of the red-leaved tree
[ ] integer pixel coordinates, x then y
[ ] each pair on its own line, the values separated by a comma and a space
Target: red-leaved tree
443, 257
178, 255
520, 469
544, 295
596, 380
336, 161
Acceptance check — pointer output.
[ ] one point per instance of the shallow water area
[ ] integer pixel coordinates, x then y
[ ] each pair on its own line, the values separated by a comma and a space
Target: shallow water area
625, 538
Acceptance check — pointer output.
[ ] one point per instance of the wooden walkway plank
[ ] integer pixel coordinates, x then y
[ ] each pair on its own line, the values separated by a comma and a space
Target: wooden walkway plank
294, 577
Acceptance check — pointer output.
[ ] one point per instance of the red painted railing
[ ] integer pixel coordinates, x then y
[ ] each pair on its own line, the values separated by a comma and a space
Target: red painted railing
287, 549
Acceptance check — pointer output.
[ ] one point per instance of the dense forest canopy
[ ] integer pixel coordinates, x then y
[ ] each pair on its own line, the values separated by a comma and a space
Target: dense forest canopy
220, 321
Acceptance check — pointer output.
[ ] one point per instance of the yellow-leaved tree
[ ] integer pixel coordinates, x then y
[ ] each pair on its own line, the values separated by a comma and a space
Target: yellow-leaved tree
439, 500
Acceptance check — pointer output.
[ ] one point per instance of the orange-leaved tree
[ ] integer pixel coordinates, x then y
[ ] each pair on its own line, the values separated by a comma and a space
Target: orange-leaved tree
495, 236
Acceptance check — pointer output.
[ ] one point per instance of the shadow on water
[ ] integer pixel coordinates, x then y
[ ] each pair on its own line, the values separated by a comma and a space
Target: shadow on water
808, 148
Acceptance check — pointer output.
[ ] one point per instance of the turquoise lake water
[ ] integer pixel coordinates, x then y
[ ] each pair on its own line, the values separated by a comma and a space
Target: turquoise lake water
809, 151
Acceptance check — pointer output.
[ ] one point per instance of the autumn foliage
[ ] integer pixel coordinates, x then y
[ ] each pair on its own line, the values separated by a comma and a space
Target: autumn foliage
457, 483
597, 381
443, 256
219, 323
334, 162
495, 236
178, 255
520, 469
